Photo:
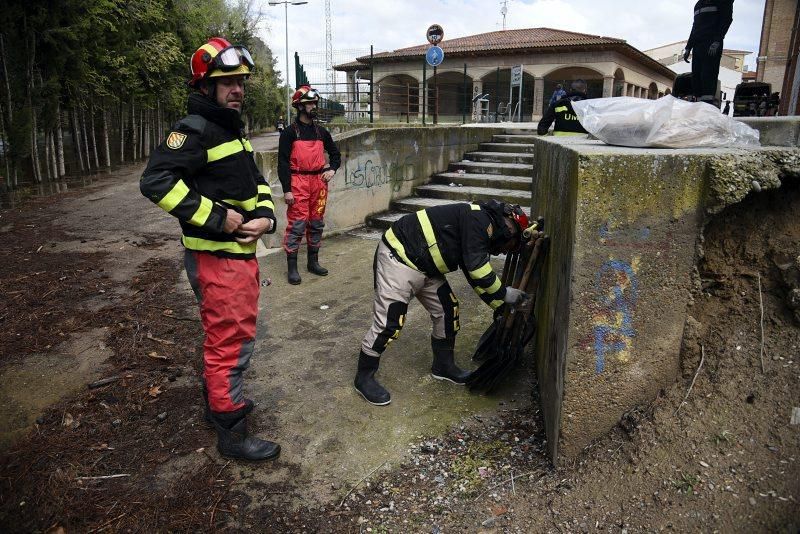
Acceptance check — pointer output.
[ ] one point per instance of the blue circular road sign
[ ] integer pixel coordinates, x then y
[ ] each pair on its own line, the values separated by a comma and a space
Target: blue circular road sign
434, 56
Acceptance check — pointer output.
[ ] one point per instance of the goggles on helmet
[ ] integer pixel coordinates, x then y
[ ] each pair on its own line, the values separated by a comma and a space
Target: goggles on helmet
232, 57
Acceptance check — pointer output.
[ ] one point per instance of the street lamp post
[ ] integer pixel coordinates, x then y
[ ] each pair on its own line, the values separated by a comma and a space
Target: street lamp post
286, 22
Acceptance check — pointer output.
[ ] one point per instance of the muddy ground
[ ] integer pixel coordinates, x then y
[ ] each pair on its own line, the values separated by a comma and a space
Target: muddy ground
726, 460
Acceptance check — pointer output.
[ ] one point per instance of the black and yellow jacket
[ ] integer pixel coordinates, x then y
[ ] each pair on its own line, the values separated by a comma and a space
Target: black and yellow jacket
203, 168
561, 112
444, 238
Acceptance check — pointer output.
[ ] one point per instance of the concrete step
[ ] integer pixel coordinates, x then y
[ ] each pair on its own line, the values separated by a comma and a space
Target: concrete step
478, 167
514, 138
527, 148
522, 183
520, 131
405, 206
469, 193
500, 157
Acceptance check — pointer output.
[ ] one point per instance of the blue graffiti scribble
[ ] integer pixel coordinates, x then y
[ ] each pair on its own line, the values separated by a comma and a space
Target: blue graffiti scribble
619, 301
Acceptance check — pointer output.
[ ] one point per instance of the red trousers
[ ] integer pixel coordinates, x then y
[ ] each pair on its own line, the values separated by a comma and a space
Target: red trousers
305, 216
227, 292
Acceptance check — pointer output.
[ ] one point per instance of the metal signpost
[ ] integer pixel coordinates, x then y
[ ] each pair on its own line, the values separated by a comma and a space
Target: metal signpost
433, 57
516, 81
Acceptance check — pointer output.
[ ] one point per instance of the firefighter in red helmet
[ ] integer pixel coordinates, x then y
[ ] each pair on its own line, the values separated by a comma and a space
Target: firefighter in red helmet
204, 175
304, 175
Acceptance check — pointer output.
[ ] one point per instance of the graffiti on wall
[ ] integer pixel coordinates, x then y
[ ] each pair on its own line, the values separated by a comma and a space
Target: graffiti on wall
617, 290
368, 174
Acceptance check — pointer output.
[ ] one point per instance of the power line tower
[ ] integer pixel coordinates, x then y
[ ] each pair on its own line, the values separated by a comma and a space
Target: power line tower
329, 73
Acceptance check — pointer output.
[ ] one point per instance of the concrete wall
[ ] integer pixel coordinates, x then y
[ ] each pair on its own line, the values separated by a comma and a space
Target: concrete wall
624, 224
378, 165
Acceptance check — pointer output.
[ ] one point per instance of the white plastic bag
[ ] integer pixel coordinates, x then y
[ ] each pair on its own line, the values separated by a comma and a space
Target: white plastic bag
666, 123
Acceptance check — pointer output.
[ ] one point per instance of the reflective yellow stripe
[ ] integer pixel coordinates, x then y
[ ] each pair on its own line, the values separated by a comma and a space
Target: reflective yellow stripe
475, 207
247, 145
399, 248
247, 205
496, 304
491, 289
433, 248
567, 134
264, 190
174, 197
224, 150
201, 215
196, 243
266, 204
480, 272
561, 108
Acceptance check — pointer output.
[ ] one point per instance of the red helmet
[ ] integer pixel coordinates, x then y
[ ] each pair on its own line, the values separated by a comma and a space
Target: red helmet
303, 95
519, 217
219, 58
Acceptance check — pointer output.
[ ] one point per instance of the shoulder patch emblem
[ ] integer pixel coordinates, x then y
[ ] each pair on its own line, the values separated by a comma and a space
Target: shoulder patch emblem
490, 230
175, 140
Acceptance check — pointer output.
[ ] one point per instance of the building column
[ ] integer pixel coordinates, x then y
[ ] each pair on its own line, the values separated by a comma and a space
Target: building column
538, 97
608, 86
422, 102
351, 94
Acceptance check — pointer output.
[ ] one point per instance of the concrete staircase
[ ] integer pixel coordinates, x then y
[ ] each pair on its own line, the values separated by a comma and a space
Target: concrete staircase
501, 169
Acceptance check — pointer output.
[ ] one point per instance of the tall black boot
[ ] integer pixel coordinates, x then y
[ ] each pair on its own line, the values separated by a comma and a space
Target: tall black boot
294, 276
365, 382
233, 440
313, 263
444, 367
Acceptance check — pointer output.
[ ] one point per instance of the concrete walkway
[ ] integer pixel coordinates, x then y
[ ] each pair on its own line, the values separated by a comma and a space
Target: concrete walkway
302, 373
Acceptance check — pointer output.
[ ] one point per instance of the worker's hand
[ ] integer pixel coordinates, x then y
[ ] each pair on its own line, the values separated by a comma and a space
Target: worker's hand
250, 231
713, 48
327, 176
233, 219
686, 52
288, 198
514, 297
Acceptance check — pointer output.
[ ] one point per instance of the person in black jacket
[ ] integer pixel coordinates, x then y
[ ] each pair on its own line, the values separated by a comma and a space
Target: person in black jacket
204, 174
304, 175
411, 261
562, 113
712, 18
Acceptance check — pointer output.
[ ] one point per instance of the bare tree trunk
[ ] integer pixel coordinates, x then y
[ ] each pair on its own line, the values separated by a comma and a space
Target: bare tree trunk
148, 125
121, 133
82, 118
47, 155
53, 162
134, 128
105, 137
94, 138
5, 144
59, 142
37, 168
159, 124
76, 139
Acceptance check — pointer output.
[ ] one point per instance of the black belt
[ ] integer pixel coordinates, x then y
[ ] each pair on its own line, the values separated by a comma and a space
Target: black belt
297, 171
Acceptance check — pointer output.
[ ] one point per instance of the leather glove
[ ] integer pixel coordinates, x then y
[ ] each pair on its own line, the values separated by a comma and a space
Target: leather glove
514, 296
713, 48
686, 52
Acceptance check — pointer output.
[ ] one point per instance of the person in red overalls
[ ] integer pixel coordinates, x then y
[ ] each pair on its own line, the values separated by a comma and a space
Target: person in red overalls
304, 175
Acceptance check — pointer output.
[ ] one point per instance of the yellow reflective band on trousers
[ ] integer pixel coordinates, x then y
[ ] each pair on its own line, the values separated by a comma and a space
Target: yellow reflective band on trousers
201, 215
227, 149
399, 248
197, 243
567, 134
433, 248
174, 197
481, 271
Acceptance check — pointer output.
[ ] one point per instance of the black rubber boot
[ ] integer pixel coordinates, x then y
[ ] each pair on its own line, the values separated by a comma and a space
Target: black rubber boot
444, 367
313, 263
294, 276
365, 382
234, 442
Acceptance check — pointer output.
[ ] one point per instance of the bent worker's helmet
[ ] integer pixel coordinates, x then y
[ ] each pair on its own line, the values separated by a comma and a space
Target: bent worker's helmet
515, 213
218, 58
303, 95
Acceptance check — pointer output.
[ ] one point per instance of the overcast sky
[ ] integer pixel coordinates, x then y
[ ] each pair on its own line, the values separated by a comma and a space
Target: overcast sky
392, 24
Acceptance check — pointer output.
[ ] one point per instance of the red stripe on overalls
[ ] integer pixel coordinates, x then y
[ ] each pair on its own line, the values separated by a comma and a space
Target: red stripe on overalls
305, 216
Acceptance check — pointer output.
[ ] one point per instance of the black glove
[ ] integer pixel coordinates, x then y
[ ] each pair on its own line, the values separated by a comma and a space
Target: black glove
686, 52
713, 48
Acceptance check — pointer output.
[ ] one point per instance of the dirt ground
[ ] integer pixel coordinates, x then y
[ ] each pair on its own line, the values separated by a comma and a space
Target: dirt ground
725, 460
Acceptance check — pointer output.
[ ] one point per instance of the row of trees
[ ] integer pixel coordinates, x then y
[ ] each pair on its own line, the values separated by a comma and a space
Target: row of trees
88, 84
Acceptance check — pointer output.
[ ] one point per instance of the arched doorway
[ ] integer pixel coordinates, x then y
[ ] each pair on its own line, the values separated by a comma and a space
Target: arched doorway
566, 75
454, 99
397, 97
498, 85
619, 83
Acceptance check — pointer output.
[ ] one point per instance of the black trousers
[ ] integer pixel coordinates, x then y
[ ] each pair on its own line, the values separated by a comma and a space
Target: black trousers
705, 71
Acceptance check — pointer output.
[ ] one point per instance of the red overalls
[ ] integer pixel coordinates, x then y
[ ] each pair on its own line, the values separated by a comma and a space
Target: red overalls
306, 163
